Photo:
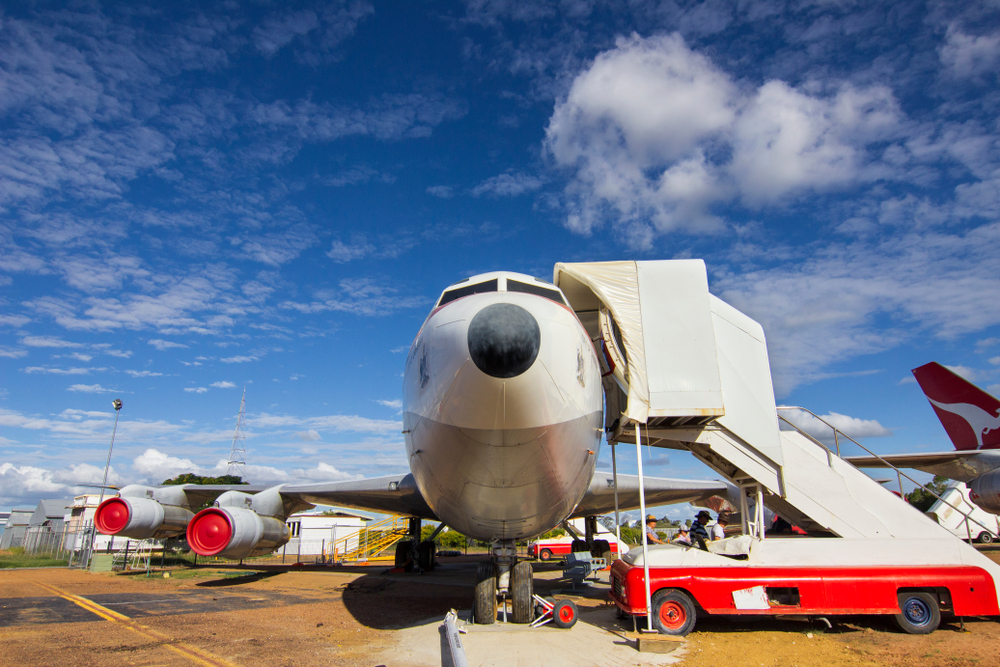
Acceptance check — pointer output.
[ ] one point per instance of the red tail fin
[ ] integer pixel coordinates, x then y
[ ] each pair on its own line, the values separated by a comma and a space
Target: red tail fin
969, 415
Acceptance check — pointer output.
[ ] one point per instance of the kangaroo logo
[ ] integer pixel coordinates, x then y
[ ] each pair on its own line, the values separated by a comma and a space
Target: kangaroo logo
981, 421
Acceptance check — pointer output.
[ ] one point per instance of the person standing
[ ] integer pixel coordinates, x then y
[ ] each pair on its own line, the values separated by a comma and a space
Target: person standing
651, 536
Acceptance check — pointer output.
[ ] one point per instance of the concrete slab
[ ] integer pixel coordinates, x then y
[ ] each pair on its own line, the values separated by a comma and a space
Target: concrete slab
594, 640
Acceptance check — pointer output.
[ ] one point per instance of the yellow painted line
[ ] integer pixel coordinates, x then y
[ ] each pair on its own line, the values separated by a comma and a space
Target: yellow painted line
190, 652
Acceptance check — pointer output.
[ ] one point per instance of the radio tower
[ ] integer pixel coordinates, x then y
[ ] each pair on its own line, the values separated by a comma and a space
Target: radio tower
238, 452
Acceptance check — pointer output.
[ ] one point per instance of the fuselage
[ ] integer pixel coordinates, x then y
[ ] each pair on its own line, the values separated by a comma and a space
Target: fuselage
503, 407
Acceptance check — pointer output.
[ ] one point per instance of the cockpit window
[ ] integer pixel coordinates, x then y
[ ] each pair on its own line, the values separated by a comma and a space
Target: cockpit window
554, 295
478, 288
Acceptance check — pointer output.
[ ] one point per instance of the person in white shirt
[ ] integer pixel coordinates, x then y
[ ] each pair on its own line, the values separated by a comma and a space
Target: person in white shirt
719, 529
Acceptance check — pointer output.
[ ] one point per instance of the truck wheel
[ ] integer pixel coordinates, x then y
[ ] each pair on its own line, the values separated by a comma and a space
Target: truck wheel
522, 590
919, 613
485, 602
673, 612
984, 538
545, 555
564, 614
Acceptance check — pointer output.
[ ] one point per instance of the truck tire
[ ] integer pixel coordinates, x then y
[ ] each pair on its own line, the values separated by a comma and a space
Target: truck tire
485, 603
985, 538
545, 555
522, 592
919, 613
673, 612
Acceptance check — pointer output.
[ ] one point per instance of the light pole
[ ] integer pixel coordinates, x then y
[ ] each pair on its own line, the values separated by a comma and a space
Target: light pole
117, 403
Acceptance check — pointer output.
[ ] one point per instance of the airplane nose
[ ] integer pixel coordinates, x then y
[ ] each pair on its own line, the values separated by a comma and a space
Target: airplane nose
503, 340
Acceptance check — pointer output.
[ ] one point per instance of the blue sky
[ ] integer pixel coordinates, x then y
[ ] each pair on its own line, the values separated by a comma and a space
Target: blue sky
198, 197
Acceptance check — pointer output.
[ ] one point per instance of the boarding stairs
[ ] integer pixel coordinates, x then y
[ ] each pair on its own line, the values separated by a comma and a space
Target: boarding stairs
134, 555
370, 541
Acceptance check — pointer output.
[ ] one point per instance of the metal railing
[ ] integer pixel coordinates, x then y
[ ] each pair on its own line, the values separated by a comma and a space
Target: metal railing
900, 474
369, 541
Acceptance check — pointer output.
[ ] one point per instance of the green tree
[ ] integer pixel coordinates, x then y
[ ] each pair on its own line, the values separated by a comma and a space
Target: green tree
922, 499
191, 478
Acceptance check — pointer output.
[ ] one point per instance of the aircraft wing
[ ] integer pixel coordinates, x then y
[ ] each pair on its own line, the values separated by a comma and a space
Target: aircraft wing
600, 497
398, 494
960, 465
394, 494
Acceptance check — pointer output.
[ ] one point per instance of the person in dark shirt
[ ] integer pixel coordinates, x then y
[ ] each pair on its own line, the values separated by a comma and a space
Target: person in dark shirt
698, 526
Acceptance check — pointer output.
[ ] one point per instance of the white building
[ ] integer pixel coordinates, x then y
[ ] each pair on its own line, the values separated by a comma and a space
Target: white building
314, 532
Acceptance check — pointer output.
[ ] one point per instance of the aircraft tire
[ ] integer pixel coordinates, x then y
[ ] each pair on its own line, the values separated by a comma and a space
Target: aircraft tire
485, 602
426, 556
522, 590
919, 613
403, 555
985, 538
673, 612
580, 545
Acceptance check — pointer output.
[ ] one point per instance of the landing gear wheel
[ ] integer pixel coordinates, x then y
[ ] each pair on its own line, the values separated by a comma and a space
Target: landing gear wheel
564, 614
484, 606
426, 552
673, 612
404, 555
579, 546
919, 613
545, 555
522, 590
985, 538
602, 549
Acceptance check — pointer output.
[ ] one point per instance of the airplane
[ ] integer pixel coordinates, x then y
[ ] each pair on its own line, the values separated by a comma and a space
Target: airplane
971, 417
502, 421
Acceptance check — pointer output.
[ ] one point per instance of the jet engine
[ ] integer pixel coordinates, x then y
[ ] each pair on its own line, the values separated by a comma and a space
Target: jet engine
140, 518
984, 491
234, 532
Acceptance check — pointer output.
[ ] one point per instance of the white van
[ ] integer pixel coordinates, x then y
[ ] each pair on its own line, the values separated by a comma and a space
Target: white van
984, 527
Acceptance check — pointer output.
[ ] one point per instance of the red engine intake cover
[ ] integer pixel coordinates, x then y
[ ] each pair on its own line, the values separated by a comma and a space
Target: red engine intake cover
112, 516
209, 532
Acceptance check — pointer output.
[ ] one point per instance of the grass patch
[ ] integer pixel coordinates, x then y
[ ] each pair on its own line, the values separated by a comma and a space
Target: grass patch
14, 558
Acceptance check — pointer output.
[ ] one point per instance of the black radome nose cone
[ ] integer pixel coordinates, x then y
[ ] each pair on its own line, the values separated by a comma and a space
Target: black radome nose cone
503, 340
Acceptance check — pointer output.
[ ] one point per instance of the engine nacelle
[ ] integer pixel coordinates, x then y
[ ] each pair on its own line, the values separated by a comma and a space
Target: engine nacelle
140, 518
984, 491
234, 532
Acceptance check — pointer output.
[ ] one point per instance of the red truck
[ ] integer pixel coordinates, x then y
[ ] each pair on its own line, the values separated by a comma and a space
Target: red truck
687, 582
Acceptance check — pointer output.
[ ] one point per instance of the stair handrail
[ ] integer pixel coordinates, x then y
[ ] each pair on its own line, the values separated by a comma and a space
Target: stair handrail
888, 464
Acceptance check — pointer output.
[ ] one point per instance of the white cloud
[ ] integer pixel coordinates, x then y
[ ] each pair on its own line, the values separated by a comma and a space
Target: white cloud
12, 352
238, 359
14, 320
341, 252
161, 345
852, 426
309, 436
967, 56
326, 423
969, 374
195, 390
507, 185
222, 385
397, 403
91, 389
144, 374
154, 464
47, 341
655, 135
441, 191
58, 371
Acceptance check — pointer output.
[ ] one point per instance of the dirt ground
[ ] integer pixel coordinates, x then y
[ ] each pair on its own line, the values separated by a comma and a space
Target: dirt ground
223, 618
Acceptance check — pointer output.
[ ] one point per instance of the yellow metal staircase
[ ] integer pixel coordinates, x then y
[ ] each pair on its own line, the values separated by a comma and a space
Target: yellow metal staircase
367, 543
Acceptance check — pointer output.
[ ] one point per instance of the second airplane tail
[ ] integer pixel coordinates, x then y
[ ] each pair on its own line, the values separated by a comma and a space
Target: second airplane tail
969, 415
